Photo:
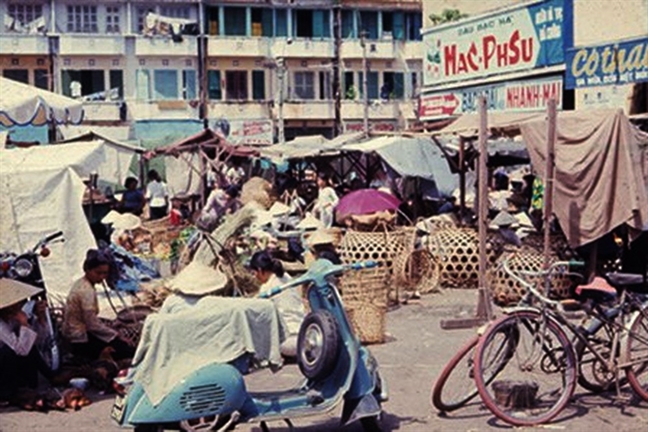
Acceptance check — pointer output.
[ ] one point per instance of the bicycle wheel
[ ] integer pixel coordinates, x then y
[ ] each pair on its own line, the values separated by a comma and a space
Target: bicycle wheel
593, 374
455, 387
537, 373
637, 355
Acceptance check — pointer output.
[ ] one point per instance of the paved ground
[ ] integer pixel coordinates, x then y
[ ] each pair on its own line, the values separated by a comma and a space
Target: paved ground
412, 358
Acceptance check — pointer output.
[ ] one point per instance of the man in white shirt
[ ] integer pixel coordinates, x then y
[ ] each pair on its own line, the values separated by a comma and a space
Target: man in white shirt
157, 194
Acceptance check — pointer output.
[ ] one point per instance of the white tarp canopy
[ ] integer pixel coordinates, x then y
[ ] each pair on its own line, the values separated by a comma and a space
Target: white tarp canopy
110, 161
308, 147
41, 192
410, 157
40, 201
23, 104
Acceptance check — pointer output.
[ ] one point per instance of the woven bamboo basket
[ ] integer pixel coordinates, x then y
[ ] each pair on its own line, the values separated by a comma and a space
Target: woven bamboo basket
364, 294
421, 272
383, 247
457, 252
506, 291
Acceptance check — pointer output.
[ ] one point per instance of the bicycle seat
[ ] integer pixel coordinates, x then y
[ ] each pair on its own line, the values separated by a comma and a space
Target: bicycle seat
599, 290
629, 281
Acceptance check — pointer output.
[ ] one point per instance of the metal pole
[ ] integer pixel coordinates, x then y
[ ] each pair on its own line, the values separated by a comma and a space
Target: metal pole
484, 305
281, 71
337, 78
363, 43
549, 179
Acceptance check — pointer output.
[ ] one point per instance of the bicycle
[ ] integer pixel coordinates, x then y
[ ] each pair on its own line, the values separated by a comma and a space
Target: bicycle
536, 363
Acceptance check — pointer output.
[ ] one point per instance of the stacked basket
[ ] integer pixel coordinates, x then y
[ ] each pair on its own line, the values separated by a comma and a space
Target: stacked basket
364, 292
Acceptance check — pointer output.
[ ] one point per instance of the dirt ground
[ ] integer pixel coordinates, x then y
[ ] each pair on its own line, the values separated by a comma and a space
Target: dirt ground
410, 360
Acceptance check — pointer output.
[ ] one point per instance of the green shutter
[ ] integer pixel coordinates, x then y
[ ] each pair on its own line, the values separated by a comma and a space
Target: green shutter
318, 23
399, 85
399, 26
266, 22
214, 85
258, 85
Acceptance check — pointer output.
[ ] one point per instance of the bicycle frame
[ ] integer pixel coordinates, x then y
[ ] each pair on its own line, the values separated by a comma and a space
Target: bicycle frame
629, 304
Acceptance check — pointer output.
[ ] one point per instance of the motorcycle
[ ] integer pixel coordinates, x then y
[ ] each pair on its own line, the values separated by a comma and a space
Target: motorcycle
26, 268
336, 367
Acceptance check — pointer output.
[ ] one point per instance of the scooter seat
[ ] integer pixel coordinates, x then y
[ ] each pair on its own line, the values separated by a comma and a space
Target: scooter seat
629, 281
598, 291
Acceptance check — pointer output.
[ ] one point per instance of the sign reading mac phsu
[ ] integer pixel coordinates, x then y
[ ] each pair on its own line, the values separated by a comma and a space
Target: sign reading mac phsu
516, 39
610, 64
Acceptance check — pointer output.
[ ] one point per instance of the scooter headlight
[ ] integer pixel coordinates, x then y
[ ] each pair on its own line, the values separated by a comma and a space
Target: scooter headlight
23, 267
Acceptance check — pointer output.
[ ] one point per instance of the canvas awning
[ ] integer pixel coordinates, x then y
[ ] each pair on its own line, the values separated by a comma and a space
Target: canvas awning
410, 157
599, 158
23, 104
206, 139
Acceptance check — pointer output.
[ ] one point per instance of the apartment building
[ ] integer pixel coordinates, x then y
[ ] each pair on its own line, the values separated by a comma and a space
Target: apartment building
263, 68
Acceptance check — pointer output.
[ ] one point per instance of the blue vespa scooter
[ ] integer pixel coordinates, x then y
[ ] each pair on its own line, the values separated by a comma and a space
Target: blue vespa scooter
336, 367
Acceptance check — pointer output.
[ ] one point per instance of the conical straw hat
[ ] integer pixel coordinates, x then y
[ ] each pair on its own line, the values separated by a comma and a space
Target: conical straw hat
13, 291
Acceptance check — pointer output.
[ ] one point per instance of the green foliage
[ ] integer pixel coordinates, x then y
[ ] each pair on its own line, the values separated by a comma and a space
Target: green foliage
448, 15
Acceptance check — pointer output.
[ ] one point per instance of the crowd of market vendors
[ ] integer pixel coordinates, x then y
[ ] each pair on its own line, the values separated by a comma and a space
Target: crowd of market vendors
91, 340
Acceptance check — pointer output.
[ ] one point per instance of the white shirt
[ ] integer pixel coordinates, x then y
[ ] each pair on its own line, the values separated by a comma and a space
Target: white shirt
20, 344
157, 192
289, 303
234, 175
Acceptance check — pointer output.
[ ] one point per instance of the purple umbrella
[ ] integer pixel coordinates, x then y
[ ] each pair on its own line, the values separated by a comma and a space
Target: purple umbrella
366, 201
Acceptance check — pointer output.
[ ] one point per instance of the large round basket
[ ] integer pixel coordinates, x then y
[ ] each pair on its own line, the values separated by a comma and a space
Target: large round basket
387, 248
507, 291
457, 252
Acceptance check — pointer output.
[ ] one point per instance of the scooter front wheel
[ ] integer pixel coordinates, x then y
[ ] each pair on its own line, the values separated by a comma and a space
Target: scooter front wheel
317, 344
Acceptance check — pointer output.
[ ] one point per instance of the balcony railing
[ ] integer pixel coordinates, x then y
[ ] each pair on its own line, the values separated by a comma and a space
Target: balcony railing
266, 47
233, 110
101, 111
164, 46
91, 44
11, 43
308, 110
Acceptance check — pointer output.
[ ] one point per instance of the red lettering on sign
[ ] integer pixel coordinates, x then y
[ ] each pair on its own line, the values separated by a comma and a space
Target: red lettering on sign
489, 54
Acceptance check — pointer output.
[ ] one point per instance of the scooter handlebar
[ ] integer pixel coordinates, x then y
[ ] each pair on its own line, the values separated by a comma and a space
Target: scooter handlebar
333, 269
51, 237
361, 265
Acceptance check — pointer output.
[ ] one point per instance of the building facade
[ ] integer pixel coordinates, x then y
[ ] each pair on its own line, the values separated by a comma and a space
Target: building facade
520, 54
257, 69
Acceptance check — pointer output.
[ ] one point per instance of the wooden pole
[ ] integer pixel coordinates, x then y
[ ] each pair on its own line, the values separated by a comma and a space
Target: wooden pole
549, 179
462, 180
484, 305
484, 309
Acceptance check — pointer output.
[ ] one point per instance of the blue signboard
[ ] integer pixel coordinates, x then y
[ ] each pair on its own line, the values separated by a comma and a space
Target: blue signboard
610, 64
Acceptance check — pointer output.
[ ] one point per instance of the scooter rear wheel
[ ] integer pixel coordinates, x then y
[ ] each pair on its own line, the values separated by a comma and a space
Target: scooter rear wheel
317, 345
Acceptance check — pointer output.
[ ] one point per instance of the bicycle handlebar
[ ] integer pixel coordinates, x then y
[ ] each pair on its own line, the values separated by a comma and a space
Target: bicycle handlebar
319, 271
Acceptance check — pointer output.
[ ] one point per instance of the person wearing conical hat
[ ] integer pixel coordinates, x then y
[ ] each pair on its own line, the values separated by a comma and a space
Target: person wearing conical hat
20, 361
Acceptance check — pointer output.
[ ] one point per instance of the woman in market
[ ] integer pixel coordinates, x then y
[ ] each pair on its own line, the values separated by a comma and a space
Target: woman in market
132, 199
20, 360
88, 336
326, 201
270, 274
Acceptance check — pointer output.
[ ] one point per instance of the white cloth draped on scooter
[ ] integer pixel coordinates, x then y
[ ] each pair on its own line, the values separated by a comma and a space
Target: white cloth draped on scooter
191, 332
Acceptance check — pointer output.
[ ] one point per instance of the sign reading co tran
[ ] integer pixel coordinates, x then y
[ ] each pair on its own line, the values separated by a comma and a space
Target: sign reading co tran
610, 64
